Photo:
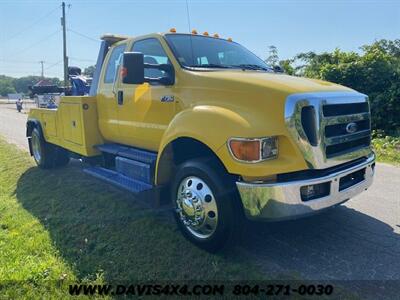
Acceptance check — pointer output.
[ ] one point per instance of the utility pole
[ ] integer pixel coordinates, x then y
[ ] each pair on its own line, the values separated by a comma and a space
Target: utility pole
42, 63
63, 24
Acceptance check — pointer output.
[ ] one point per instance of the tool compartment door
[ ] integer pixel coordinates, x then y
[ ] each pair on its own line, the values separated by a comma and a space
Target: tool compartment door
72, 122
49, 123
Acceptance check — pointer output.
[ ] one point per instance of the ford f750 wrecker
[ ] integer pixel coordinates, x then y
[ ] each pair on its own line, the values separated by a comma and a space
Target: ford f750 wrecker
214, 130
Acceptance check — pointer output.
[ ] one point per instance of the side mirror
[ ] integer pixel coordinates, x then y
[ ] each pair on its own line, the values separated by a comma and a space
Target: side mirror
167, 79
132, 68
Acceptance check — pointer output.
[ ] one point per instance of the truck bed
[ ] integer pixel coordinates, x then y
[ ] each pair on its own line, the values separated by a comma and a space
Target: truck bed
73, 125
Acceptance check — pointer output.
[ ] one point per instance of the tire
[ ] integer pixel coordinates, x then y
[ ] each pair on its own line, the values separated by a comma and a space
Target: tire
62, 157
46, 155
204, 185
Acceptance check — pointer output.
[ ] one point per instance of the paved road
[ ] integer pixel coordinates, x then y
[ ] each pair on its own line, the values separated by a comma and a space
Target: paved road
358, 240
12, 124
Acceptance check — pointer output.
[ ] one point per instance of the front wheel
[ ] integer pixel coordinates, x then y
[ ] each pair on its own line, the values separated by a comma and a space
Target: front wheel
206, 204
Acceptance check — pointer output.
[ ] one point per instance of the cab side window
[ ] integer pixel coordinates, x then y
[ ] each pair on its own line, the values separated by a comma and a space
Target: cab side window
153, 53
113, 62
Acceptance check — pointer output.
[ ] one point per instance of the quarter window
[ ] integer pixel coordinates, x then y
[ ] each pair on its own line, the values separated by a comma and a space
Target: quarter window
113, 63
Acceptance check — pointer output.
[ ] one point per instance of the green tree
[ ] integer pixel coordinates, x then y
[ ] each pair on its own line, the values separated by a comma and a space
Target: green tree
89, 71
287, 67
6, 85
375, 72
22, 84
272, 58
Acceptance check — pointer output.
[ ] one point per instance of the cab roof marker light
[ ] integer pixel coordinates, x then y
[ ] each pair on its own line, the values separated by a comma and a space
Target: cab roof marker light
229, 39
173, 30
216, 35
194, 31
205, 33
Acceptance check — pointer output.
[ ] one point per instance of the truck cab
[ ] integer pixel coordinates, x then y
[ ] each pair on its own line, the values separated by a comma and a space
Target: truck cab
211, 130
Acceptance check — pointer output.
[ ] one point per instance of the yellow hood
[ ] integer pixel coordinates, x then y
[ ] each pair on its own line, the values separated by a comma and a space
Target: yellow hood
273, 81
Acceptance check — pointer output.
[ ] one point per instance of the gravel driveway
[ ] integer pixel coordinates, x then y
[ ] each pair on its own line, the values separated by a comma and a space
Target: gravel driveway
359, 240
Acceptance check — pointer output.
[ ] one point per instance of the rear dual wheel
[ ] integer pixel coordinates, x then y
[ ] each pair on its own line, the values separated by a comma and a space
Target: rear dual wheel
206, 203
47, 155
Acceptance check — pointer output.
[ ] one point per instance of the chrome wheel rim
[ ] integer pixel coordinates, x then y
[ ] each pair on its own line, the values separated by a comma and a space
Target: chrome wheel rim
36, 147
196, 207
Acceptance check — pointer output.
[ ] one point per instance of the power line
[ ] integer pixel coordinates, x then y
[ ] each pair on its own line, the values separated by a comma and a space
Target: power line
27, 73
53, 65
83, 35
19, 61
33, 24
38, 42
82, 59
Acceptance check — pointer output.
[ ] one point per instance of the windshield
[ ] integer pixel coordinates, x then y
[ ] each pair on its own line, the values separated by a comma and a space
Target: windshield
208, 52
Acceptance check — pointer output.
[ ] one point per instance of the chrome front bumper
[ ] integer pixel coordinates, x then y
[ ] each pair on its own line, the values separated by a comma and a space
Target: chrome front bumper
280, 201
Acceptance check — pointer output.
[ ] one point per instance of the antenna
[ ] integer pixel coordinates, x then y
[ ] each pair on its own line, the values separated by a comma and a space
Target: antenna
188, 15
190, 30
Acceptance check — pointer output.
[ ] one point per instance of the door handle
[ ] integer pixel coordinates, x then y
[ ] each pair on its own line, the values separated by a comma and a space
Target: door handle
120, 97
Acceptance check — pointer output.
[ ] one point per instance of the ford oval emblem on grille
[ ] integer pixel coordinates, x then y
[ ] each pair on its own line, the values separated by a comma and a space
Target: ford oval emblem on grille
351, 127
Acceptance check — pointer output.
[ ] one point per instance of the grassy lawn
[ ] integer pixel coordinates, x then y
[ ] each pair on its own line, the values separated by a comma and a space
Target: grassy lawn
59, 226
387, 149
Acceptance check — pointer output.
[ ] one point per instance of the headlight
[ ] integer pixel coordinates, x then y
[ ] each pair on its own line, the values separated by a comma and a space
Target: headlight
254, 150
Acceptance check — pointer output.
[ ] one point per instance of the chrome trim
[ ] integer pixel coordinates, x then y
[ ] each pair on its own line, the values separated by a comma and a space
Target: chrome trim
253, 139
36, 148
346, 118
315, 155
347, 137
196, 207
280, 201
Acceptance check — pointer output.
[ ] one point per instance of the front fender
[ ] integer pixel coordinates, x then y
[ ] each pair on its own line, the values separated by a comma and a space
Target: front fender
214, 125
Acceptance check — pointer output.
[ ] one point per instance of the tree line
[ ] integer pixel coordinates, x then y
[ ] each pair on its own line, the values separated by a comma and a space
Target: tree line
375, 71
11, 85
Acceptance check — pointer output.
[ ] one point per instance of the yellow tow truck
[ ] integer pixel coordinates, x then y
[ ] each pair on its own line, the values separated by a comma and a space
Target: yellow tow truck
201, 123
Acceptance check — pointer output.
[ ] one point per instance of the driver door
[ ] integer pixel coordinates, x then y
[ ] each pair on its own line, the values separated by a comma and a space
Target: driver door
107, 103
145, 110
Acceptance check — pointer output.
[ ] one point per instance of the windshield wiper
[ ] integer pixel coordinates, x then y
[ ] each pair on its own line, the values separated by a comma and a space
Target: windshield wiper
210, 66
251, 67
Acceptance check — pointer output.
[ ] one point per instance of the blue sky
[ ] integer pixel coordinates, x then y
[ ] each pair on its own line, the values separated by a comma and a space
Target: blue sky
30, 31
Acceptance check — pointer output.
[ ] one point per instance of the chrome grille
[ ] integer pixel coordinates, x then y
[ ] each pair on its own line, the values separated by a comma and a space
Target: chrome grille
329, 127
338, 139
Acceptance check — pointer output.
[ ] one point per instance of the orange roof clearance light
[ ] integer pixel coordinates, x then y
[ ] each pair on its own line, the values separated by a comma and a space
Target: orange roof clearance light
194, 31
205, 33
216, 35
173, 30
229, 39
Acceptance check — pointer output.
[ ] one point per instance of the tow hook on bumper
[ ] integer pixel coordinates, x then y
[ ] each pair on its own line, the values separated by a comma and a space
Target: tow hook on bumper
285, 200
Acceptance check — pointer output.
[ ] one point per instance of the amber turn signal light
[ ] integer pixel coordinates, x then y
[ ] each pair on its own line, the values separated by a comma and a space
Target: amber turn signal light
124, 72
246, 150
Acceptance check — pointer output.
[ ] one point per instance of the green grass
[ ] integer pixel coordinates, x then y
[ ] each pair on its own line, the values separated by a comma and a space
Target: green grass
59, 226
387, 149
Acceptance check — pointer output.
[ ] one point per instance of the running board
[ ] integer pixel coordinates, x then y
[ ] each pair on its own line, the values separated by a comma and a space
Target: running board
115, 178
143, 156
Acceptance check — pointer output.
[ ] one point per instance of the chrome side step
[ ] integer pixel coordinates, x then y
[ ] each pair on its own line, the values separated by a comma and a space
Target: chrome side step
118, 179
